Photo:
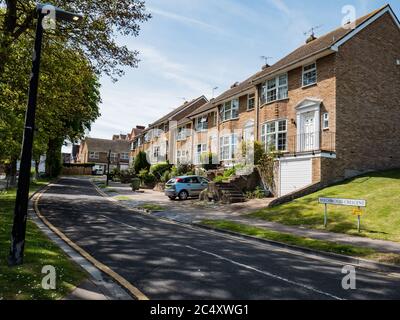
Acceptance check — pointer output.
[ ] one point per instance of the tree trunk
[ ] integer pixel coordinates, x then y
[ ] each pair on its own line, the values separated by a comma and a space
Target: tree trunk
12, 173
53, 158
37, 163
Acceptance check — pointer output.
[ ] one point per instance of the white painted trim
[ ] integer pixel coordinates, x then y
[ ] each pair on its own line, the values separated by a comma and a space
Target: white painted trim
309, 156
303, 72
310, 102
362, 26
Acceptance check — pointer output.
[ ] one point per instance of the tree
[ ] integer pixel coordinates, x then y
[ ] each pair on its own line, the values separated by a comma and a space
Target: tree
67, 105
95, 38
140, 162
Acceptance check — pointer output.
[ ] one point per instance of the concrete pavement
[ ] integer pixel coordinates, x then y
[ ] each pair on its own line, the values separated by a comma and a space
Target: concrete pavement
170, 261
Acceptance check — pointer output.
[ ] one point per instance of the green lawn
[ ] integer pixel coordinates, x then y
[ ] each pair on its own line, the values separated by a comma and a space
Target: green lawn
152, 207
24, 282
380, 221
319, 245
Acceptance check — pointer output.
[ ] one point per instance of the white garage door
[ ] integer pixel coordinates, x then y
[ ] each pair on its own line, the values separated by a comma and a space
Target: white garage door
295, 175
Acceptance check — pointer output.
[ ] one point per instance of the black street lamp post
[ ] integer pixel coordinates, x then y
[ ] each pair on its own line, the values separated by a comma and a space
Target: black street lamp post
22, 200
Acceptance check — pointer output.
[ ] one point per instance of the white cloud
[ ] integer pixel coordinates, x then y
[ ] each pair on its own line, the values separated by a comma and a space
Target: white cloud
187, 20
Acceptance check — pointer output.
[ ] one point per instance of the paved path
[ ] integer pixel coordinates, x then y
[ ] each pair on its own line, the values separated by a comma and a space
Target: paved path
169, 261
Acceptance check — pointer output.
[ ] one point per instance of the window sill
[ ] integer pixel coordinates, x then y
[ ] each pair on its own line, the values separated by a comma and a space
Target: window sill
234, 119
309, 85
272, 102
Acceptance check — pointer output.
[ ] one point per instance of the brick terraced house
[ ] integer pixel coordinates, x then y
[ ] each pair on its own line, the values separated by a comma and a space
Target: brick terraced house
331, 107
96, 151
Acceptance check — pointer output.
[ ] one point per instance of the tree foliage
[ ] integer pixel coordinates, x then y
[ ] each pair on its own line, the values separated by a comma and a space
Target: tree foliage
68, 99
95, 37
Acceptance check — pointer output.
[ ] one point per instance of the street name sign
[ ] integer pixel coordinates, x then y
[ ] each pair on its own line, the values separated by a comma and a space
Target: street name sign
344, 202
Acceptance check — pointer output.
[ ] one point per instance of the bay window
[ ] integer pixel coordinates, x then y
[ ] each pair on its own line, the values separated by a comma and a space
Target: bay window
274, 136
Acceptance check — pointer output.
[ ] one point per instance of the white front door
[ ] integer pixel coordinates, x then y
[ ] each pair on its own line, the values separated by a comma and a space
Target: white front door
308, 136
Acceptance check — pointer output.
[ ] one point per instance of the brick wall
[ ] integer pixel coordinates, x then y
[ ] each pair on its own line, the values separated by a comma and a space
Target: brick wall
368, 105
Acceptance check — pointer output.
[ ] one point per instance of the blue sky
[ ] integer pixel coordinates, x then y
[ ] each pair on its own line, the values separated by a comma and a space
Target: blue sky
192, 46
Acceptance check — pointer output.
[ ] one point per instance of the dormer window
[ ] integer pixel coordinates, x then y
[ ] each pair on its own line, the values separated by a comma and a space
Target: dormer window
310, 74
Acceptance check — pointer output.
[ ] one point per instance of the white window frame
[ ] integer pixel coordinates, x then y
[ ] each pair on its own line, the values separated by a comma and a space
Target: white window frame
124, 156
281, 90
113, 157
94, 155
230, 110
156, 152
251, 96
265, 135
201, 123
203, 150
228, 147
182, 156
325, 121
304, 73
182, 134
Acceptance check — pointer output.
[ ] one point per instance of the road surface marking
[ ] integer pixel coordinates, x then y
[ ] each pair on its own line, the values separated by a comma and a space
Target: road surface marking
107, 270
266, 273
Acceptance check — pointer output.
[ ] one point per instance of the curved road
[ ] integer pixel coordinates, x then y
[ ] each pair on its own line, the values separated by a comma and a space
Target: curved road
169, 261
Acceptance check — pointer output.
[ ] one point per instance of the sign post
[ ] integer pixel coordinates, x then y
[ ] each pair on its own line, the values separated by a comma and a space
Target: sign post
344, 202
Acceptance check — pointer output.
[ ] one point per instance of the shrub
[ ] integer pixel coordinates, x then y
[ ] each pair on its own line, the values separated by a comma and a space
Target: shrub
227, 174
159, 169
140, 162
115, 174
146, 177
166, 177
258, 193
135, 184
182, 170
126, 176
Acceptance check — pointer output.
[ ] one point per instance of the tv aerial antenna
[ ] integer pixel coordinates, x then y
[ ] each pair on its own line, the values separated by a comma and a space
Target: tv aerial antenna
311, 32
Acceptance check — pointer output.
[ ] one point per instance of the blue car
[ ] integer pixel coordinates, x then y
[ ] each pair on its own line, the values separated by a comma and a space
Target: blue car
185, 187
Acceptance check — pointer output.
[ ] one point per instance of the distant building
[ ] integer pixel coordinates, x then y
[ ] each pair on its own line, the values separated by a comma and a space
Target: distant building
96, 151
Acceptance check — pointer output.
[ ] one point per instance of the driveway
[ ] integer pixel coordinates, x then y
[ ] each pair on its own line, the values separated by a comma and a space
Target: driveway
188, 211
170, 261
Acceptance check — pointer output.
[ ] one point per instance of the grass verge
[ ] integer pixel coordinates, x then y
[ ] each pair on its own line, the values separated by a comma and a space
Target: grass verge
380, 221
24, 282
152, 207
319, 245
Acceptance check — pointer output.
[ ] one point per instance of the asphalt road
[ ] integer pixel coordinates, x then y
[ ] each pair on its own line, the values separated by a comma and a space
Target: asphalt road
169, 261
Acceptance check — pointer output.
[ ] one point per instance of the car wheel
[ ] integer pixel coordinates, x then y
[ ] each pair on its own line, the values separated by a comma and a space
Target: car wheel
183, 195
172, 198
